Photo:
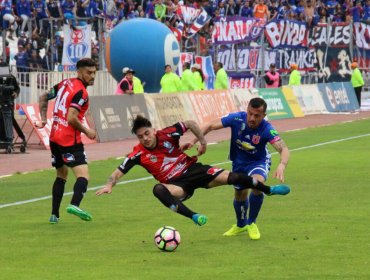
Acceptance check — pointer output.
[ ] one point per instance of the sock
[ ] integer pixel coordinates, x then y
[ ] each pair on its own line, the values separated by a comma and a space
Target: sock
241, 208
168, 200
255, 204
57, 193
247, 182
79, 190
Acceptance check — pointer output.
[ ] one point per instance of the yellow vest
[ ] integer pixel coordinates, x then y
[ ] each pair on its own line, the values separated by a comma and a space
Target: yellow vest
138, 87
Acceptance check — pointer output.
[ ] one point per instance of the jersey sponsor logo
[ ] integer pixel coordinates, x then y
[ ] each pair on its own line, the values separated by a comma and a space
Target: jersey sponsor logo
168, 163
256, 139
213, 170
168, 146
245, 146
68, 157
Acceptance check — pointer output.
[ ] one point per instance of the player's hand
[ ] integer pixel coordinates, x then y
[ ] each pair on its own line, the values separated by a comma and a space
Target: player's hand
279, 172
39, 124
91, 133
186, 146
106, 189
202, 149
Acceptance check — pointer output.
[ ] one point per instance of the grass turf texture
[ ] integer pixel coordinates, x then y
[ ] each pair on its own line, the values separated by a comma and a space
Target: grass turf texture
319, 231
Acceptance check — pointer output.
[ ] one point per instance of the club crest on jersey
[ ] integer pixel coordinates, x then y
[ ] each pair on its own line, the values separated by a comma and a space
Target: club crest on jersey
152, 158
213, 170
68, 158
168, 146
256, 139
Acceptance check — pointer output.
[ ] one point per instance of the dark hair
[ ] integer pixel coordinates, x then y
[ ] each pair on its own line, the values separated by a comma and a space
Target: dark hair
167, 65
220, 64
187, 65
85, 62
257, 102
140, 122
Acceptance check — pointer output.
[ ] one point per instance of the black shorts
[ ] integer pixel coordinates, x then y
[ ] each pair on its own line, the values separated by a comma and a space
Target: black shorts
71, 156
196, 176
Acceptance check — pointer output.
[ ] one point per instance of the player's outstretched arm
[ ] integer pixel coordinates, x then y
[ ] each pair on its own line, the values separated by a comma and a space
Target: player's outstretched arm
283, 150
112, 181
195, 129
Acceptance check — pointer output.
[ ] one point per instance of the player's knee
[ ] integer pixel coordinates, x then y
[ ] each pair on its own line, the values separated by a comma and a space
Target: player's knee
158, 190
233, 178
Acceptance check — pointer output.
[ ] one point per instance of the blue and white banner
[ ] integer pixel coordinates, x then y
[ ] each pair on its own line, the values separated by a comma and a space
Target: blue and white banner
77, 44
207, 67
339, 97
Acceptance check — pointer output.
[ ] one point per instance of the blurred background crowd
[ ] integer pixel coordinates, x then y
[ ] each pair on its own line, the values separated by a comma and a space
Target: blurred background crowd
29, 24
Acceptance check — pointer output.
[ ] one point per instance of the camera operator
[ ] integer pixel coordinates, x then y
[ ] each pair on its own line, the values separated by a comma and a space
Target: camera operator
9, 91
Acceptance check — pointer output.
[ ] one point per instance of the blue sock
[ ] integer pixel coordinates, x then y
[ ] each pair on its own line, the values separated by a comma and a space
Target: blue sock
241, 208
255, 202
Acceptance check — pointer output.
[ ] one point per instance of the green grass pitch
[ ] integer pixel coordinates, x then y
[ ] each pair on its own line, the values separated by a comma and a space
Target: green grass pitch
319, 231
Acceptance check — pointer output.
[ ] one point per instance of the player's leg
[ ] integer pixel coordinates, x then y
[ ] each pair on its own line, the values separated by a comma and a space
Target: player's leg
240, 204
75, 158
81, 173
171, 196
255, 203
59, 183
247, 182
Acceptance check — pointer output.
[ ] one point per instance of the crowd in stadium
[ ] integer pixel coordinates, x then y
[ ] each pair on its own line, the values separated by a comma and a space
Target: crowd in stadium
29, 22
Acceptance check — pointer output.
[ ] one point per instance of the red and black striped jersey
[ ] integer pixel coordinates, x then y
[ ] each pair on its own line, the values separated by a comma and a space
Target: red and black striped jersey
166, 161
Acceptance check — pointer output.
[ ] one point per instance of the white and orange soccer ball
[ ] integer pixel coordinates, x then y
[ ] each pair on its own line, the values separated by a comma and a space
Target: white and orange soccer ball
167, 238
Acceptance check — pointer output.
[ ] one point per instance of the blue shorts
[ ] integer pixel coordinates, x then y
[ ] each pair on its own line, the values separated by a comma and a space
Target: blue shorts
259, 167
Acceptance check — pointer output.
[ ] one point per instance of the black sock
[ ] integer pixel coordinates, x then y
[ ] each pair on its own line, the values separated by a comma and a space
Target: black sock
79, 190
57, 192
168, 200
247, 182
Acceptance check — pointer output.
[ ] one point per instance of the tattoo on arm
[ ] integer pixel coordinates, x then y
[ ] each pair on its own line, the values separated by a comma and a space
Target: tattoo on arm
194, 127
112, 180
43, 106
279, 146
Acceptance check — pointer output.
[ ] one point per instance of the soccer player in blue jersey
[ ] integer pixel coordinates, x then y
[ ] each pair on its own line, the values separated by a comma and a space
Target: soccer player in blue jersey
250, 134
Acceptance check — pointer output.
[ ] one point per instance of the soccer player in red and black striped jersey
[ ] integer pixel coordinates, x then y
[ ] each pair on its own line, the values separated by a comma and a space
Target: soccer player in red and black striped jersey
67, 150
178, 174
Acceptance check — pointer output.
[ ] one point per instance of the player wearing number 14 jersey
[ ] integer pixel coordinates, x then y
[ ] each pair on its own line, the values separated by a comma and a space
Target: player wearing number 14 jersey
67, 150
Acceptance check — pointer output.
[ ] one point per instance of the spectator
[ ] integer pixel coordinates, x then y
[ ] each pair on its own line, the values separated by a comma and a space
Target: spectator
198, 77
69, 12
261, 11
46, 61
246, 10
170, 82
356, 12
138, 86
9, 17
309, 12
24, 11
187, 81
40, 13
35, 61
272, 77
126, 85
221, 81
54, 10
295, 75
22, 59
160, 11
357, 81
366, 16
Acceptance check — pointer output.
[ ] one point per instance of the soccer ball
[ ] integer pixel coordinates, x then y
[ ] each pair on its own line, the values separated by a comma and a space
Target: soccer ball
167, 238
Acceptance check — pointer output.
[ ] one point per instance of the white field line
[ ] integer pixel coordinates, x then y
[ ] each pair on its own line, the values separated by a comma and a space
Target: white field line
150, 177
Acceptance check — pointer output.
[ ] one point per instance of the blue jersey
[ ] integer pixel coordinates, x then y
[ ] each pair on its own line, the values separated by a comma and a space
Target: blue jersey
248, 146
